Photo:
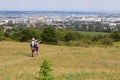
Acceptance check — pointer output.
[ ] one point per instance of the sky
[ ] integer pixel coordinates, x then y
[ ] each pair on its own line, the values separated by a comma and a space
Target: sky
59, 5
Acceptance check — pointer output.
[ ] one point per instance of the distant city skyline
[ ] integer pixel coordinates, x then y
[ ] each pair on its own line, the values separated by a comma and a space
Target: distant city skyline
60, 5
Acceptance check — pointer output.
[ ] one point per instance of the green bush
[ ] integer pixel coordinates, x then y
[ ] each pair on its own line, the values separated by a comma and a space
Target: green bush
6, 34
71, 36
97, 37
115, 36
49, 36
44, 72
107, 41
1, 35
60, 33
16, 36
28, 33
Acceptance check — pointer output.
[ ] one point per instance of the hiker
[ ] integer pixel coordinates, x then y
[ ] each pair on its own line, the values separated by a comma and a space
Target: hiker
36, 45
32, 46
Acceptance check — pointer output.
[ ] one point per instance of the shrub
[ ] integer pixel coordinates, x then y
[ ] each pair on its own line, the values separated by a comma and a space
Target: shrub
96, 38
6, 34
1, 35
115, 35
29, 33
71, 36
107, 41
16, 36
60, 33
49, 36
44, 72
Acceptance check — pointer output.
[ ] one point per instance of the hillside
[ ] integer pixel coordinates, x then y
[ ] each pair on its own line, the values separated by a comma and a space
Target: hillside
68, 63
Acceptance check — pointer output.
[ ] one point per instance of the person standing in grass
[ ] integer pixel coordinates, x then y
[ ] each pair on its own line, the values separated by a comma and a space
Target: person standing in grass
32, 45
36, 45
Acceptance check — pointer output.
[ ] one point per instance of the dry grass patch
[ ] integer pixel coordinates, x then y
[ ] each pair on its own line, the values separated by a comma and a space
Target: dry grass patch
68, 63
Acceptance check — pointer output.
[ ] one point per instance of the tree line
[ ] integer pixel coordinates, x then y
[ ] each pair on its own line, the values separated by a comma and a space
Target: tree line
49, 35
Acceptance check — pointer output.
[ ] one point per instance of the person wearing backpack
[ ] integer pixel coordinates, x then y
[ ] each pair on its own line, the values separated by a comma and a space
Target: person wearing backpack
32, 45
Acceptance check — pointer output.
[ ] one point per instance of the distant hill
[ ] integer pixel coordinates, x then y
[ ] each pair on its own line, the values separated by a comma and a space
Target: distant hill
46, 12
12, 12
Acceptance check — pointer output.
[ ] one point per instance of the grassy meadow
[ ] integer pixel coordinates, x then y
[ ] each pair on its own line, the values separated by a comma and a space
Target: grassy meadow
68, 63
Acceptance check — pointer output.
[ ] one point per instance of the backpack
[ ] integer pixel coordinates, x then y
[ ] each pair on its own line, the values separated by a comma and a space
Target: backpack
31, 45
35, 44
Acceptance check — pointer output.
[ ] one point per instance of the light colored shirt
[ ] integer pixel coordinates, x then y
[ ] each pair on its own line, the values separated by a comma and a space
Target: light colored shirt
32, 44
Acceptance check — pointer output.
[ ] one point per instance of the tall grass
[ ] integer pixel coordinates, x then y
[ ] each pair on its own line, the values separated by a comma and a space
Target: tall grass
68, 63
93, 76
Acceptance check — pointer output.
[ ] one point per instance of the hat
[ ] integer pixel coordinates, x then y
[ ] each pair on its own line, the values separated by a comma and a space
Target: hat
33, 38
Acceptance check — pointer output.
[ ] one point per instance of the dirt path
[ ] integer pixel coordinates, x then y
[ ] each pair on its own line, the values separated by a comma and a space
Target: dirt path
29, 58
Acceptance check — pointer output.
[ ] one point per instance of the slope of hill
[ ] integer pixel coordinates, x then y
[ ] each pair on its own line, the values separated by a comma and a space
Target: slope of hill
68, 63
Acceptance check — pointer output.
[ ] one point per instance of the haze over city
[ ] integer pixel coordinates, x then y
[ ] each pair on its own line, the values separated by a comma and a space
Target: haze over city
60, 5
83, 15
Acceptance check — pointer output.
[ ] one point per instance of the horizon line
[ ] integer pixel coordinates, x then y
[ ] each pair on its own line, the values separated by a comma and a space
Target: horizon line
91, 10
69, 10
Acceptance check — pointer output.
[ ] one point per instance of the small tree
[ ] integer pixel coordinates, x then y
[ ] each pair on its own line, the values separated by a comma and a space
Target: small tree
28, 33
10, 23
115, 35
1, 35
44, 72
49, 36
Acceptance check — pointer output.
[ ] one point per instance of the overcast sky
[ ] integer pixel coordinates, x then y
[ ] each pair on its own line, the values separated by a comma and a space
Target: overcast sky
60, 5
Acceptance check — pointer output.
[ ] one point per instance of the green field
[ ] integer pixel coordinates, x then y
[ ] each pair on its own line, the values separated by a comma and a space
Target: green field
93, 33
68, 63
